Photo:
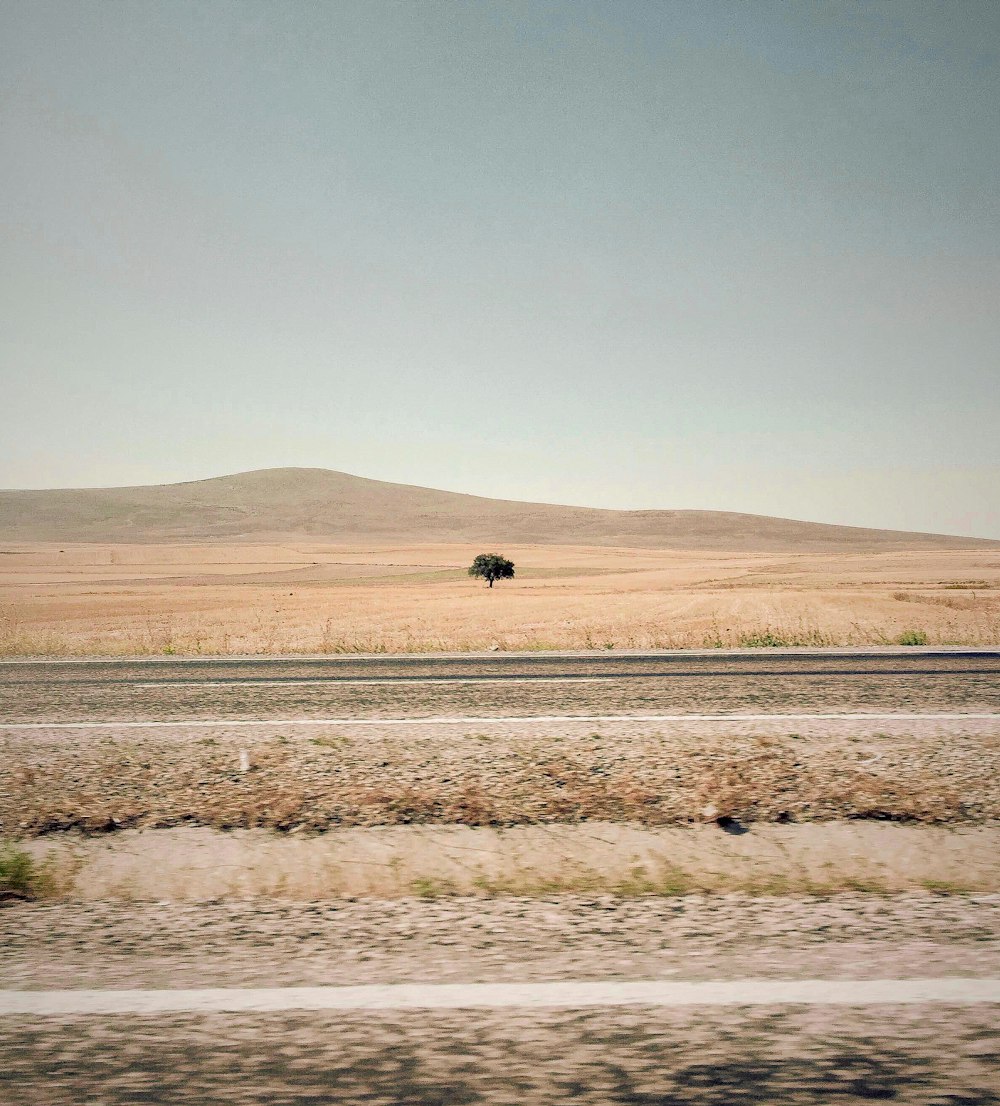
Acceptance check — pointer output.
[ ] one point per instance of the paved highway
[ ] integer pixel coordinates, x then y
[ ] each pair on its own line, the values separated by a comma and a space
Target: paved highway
502, 685
688, 1002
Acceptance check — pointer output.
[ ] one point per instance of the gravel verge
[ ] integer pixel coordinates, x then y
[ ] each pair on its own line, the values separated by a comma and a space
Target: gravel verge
318, 779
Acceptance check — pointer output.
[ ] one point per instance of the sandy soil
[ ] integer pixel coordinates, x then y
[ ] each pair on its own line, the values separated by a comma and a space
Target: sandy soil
188, 863
327, 598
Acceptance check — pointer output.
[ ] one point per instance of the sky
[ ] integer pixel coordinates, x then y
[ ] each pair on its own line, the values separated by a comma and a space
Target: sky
739, 256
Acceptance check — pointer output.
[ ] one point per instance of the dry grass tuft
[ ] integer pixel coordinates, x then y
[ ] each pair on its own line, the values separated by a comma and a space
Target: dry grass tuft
104, 785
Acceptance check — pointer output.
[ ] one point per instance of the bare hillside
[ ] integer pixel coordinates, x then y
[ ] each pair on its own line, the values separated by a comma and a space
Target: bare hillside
288, 502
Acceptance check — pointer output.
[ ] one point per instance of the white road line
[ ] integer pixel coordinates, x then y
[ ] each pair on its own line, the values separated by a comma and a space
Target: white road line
421, 681
457, 996
487, 720
384, 681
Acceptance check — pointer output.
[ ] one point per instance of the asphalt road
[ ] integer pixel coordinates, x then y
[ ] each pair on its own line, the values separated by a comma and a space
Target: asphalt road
501, 685
842, 1041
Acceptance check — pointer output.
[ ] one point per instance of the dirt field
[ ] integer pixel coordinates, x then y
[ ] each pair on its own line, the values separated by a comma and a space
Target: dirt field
323, 598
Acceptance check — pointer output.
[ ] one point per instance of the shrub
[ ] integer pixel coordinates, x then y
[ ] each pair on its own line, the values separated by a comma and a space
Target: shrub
912, 637
765, 639
18, 875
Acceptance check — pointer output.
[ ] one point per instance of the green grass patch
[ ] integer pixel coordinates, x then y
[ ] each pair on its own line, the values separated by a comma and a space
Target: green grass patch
325, 741
769, 637
764, 639
425, 888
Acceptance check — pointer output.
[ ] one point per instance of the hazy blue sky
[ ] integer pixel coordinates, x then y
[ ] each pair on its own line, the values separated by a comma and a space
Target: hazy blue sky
637, 254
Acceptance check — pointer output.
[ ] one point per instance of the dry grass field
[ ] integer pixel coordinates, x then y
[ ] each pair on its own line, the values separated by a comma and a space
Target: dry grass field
323, 597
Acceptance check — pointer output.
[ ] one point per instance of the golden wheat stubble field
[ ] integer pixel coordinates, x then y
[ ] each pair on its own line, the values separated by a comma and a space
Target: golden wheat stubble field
316, 597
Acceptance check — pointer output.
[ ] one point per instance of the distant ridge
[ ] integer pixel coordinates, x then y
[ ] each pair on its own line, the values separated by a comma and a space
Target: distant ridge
319, 503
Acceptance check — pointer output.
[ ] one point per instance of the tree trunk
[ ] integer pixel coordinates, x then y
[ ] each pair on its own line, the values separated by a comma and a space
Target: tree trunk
491, 581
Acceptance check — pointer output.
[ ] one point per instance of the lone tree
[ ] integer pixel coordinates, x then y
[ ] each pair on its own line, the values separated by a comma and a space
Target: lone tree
491, 566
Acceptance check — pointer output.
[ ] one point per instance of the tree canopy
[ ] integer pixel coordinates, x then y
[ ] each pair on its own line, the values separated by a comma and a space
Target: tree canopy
491, 566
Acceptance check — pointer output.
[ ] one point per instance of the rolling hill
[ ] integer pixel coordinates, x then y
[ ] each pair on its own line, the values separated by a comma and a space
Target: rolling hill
279, 503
